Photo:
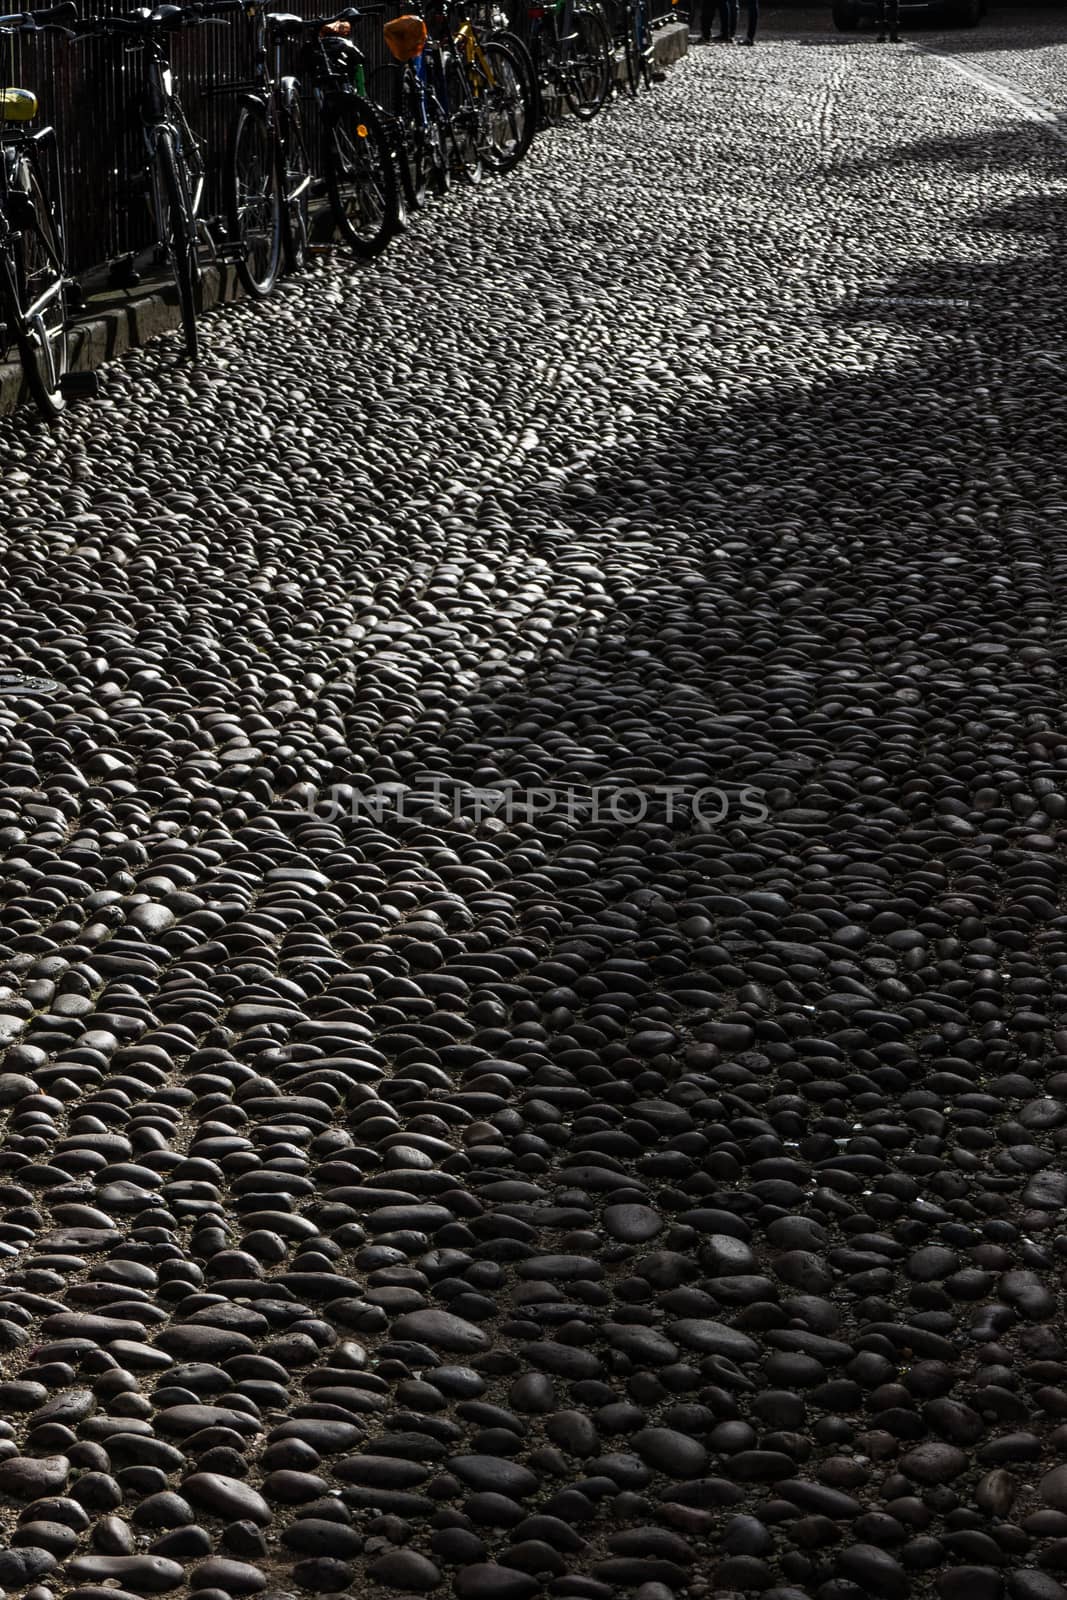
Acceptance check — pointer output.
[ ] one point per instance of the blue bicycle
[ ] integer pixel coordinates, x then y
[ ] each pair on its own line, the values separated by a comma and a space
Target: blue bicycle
438, 119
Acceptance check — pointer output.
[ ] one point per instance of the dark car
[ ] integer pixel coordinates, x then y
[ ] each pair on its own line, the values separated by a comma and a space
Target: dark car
960, 13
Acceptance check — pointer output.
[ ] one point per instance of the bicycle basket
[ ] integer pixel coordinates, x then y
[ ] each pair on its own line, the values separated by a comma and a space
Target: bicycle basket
406, 37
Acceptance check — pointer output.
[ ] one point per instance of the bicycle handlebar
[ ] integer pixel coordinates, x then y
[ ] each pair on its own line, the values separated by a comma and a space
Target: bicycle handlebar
61, 17
163, 19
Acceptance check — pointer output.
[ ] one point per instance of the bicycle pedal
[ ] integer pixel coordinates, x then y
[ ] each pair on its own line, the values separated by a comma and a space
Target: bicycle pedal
80, 385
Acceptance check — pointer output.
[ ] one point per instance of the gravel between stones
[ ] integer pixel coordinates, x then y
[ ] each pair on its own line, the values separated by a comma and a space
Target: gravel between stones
515, 1205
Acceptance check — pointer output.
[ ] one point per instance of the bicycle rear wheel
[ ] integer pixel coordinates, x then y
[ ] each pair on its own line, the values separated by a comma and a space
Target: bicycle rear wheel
360, 176
177, 229
253, 202
36, 285
587, 65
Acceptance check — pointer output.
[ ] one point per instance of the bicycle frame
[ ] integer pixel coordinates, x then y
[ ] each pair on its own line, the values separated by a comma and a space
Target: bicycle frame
466, 39
19, 148
22, 148
561, 13
430, 78
161, 112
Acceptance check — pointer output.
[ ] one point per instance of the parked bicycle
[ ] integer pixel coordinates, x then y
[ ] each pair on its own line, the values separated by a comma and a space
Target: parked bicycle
357, 155
33, 257
175, 162
501, 90
572, 50
268, 174
437, 116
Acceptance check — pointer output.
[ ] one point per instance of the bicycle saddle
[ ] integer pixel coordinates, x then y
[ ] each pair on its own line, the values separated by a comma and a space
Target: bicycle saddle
17, 105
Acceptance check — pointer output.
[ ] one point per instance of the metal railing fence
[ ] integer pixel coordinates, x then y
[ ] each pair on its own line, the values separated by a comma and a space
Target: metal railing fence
89, 89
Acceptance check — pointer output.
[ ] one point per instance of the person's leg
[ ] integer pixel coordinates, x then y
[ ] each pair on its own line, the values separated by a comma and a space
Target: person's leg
881, 21
753, 21
707, 16
726, 30
894, 21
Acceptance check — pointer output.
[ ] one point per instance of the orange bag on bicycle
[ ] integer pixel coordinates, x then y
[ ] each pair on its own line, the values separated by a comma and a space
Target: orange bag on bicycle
406, 37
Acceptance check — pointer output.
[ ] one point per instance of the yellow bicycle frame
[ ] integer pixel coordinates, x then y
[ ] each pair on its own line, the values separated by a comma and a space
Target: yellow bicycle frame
467, 40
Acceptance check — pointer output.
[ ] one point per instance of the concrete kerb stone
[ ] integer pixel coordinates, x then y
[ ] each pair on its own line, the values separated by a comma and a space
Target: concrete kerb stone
127, 325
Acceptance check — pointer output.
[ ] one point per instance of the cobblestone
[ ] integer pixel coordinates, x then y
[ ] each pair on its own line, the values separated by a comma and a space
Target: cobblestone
512, 1202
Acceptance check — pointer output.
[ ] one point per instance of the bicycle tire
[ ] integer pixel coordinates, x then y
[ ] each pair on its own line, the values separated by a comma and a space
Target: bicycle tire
509, 121
36, 267
527, 67
361, 179
253, 202
587, 67
463, 120
294, 176
178, 232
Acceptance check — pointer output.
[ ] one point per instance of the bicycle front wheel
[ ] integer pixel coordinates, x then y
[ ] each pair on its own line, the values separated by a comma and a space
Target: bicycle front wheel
416, 150
294, 176
36, 284
527, 70
588, 65
464, 121
509, 118
177, 230
360, 176
253, 201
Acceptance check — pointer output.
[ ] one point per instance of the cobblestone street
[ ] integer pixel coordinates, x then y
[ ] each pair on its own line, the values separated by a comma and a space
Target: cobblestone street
533, 973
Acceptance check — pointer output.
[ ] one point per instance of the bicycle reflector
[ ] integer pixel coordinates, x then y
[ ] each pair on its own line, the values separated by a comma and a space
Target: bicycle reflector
406, 37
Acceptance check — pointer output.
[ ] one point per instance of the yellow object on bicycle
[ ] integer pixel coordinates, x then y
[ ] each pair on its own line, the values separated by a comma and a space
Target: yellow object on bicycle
406, 37
361, 129
337, 30
17, 105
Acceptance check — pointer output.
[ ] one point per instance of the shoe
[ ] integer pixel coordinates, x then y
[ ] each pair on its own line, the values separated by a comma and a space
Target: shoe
881, 38
746, 41
723, 38
894, 38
